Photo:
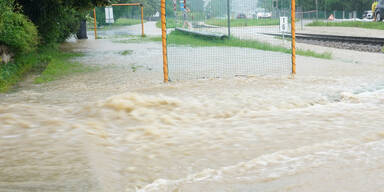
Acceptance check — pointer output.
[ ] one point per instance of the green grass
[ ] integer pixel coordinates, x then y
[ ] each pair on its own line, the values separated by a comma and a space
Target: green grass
13, 72
310, 53
171, 23
180, 38
59, 65
126, 52
243, 22
49, 62
285, 38
136, 67
359, 24
118, 23
138, 39
126, 21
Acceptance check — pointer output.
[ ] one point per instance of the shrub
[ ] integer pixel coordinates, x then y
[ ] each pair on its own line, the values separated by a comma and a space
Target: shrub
55, 24
16, 30
57, 20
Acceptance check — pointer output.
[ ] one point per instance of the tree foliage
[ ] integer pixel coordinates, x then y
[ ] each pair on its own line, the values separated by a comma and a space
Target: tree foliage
56, 20
331, 5
328, 5
150, 8
16, 30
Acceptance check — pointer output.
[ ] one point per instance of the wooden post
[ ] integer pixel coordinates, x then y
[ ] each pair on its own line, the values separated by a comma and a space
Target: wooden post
164, 40
293, 29
142, 13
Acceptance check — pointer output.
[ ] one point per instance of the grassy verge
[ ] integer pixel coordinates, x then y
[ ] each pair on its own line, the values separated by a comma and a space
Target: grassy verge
50, 63
118, 23
126, 21
12, 72
171, 23
126, 52
138, 39
60, 64
359, 24
243, 22
180, 38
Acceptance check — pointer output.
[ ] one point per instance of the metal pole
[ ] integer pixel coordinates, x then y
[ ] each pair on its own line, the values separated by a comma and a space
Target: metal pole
317, 11
229, 17
293, 15
164, 41
94, 22
302, 18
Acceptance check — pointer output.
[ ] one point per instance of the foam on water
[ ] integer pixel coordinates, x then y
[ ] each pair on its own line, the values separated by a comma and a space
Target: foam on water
128, 141
246, 176
119, 130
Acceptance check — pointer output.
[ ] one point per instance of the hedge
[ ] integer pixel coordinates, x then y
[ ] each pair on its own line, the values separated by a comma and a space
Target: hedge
16, 30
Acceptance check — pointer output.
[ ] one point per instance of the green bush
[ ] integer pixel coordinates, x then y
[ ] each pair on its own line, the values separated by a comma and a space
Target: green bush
56, 20
16, 30
55, 25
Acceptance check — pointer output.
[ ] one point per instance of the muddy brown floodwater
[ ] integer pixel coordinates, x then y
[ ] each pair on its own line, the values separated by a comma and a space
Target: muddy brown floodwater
119, 129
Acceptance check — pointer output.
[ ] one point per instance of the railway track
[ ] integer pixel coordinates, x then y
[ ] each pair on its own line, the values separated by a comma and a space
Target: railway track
368, 44
335, 38
345, 39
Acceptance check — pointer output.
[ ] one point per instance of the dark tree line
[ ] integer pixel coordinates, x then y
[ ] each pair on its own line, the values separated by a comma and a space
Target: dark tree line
150, 8
56, 20
330, 5
327, 5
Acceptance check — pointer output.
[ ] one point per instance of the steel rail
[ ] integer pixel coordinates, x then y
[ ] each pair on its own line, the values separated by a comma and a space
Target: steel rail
335, 38
338, 38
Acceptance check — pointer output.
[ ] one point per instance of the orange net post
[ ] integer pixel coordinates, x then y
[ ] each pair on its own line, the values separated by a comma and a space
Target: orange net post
164, 40
124, 4
293, 29
142, 20
94, 23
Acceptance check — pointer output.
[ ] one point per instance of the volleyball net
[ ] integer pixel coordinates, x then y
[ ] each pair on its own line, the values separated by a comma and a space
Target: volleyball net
117, 20
224, 38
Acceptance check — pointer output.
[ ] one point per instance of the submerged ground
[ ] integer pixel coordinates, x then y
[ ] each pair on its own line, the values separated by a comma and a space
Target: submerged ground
121, 129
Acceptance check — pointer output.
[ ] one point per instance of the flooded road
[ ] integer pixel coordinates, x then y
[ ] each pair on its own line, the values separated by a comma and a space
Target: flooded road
120, 129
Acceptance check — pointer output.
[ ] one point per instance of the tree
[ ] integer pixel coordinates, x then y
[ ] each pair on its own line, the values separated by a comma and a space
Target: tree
16, 30
56, 20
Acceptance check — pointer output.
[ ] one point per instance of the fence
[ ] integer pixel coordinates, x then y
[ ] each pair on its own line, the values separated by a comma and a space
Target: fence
306, 17
224, 38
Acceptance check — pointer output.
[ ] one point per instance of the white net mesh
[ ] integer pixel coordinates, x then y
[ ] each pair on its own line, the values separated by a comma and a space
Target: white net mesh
116, 21
203, 43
